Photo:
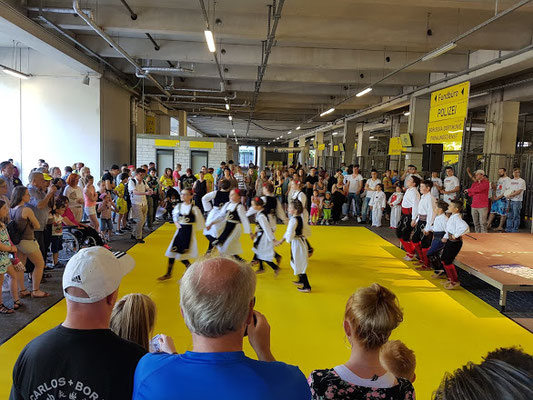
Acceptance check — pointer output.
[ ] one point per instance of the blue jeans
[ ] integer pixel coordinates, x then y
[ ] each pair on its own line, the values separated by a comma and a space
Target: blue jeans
357, 204
513, 216
366, 209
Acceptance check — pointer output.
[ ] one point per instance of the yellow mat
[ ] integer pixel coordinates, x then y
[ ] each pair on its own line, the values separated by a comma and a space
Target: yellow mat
445, 329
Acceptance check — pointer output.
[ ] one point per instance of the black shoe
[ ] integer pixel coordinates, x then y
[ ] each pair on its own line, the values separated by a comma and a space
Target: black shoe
140, 241
304, 290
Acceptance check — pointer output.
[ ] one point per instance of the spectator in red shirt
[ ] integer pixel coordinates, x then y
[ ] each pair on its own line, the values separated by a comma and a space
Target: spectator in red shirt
176, 175
479, 192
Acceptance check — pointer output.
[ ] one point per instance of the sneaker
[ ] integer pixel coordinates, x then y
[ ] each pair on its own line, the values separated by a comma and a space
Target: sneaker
322, 222
304, 290
359, 220
278, 259
140, 241
438, 274
408, 258
108, 247
164, 277
260, 271
449, 285
345, 218
277, 271
297, 283
327, 222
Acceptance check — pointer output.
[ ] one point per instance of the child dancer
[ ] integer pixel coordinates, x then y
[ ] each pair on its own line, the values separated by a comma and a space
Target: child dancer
229, 241
439, 229
105, 208
273, 209
213, 202
408, 219
453, 241
188, 218
315, 207
426, 213
122, 205
295, 235
264, 238
377, 204
395, 202
327, 205
298, 194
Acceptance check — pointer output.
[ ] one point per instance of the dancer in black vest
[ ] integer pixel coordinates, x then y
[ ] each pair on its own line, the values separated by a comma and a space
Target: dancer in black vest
264, 238
213, 202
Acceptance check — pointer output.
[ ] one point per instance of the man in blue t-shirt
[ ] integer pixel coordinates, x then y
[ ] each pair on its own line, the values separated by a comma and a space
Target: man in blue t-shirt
217, 304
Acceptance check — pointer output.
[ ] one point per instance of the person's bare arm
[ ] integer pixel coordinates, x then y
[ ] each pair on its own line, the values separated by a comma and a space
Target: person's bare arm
49, 194
30, 216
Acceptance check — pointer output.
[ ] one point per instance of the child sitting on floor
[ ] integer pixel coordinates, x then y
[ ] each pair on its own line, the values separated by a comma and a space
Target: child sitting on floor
398, 359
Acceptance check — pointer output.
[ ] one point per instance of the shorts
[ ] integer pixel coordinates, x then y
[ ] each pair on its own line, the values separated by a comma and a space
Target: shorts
499, 207
106, 224
90, 210
28, 246
57, 244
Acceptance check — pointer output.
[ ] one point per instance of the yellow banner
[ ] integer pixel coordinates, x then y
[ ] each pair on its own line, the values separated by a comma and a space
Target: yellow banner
335, 148
450, 159
291, 156
395, 146
202, 145
447, 132
167, 143
453, 94
321, 146
448, 111
150, 124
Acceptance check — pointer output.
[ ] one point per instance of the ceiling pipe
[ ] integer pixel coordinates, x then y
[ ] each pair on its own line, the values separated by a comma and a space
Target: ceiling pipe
132, 14
59, 10
245, 104
167, 69
184, 96
156, 46
221, 90
112, 43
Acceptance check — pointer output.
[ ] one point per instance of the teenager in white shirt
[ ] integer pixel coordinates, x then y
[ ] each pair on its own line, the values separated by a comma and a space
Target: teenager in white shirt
354, 182
451, 186
437, 185
499, 202
377, 204
395, 203
410, 171
453, 241
517, 187
426, 213
410, 202
370, 187
439, 230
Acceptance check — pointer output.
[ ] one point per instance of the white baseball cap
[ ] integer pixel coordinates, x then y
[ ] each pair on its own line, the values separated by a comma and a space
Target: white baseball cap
479, 171
97, 271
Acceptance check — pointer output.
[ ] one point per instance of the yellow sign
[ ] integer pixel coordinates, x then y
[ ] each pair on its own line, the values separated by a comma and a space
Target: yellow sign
453, 94
291, 156
167, 143
335, 148
355, 146
448, 111
202, 145
321, 146
150, 124
450, 159
447, 132
395, 146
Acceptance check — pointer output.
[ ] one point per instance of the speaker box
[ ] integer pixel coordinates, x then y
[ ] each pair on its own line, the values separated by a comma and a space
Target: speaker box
432, 157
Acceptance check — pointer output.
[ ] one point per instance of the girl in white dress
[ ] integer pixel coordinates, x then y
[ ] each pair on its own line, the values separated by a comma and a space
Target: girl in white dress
395, 203
234, 213
299, 195
188, 218
295, 235
213, 202
264, 238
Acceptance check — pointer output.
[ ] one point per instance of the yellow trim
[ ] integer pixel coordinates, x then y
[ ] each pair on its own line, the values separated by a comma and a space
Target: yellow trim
167, 143
202, 145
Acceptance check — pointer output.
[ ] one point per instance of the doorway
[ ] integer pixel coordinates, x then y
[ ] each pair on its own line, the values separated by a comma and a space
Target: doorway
165, 159
198, 160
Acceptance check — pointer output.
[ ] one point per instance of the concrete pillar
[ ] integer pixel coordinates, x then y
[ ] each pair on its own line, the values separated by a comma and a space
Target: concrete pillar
363, 141
261, 157
350, 139
182, 119
417, 127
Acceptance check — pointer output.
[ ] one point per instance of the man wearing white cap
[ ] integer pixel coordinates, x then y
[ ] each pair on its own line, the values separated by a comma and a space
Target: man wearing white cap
479, 191
82, 358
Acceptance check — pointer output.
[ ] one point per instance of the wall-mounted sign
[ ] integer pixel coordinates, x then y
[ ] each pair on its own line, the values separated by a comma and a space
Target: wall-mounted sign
202, 145
335, 148
395, 146
321, 146
447, 132
149, 124
167, 143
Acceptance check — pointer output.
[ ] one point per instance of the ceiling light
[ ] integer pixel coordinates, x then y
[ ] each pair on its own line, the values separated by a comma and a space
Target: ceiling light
363, 92
288, 133
335, 133
327, 112
439, 51
15, 73
227, 106
210, 41
298, 128
407, 113
230, 118
233, 130
371, 137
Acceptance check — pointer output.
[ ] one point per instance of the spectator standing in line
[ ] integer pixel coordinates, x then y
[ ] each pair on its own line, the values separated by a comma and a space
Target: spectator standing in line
389, 190
370, 188
199, 189
310, 181
3, 193
75, 196
110, 177
217, 303
410, 171
338, 196
187, 181
176, 175
167, 181
155, 198
394, 177
354, 183
139, 190
219, 174
7, 174
437, 185
67, 361
68, 171
451, 186
517, 187
16, 172
479, 192
208, 177
260, 183
499, 202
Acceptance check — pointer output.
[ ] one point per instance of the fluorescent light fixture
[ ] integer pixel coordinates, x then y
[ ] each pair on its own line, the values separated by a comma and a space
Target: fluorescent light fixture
210, 41
363, 92
439, 51
371, 137
227, 106
298, 128
327, 112
407, 113
233, 130
14, 72
230, 118
288, 133
335, 133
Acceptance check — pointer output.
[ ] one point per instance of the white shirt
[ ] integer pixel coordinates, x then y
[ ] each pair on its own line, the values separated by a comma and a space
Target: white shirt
450, 183
378, 199
502, 185
411, 199
354, 184
137, 199
427, 206
264, 223
385, 381
434, 190
439, 224
517, 184
456, 227
291, 229
371, 186
407, 176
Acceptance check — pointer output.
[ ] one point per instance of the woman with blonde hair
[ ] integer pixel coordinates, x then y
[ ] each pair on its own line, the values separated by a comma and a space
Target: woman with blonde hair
133, 319
371, 314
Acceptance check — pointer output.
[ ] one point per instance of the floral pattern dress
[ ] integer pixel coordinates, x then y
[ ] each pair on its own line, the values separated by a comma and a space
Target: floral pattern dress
326, 384
5, 261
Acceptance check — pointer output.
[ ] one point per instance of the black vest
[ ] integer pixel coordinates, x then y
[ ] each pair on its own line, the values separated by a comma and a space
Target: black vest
220, 199
299, 226
233, 216
270, 205
186, 219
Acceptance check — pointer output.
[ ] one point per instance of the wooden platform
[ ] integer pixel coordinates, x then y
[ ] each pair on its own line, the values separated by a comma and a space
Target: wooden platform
481, 250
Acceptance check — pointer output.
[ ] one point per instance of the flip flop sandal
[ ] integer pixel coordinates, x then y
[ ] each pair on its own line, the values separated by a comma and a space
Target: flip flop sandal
45, 294
17, 304
24, 293
5, 310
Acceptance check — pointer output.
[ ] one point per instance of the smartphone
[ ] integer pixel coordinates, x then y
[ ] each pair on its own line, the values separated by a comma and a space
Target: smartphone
155, 347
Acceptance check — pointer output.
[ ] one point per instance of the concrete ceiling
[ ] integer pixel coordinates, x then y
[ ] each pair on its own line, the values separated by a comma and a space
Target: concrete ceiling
325, 51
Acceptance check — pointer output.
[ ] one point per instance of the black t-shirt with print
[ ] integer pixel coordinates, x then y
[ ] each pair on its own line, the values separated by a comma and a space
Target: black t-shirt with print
108, 177
187, 181
68, 363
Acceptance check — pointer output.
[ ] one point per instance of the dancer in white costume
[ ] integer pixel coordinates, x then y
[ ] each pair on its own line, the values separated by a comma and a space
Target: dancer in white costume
298, 194
377, 202
296, 237
395, 203
234, 213
188, 218
264, 238
213, 202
